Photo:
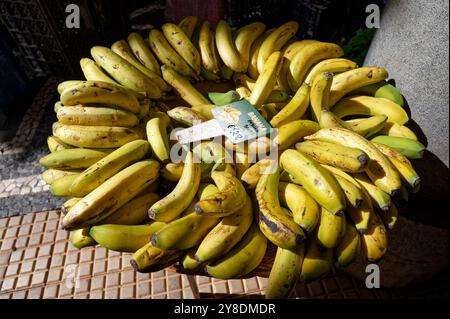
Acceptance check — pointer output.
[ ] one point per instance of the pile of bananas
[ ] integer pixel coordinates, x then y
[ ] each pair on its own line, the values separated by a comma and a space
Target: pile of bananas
343, 161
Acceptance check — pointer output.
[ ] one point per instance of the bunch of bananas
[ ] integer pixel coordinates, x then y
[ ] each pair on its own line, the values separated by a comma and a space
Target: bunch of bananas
342, 169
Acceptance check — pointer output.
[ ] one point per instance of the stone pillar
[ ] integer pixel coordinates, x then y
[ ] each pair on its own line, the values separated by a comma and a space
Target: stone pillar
412, 44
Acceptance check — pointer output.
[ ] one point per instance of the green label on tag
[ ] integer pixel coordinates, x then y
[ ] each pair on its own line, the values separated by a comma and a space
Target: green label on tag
240, 121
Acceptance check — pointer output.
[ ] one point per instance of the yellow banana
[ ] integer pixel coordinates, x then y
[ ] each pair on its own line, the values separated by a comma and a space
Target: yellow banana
379, 169
68, 204
244, 40
156, 129
93, 72
52, 174
185, 116
307, 57
353, 193
403, 166
149, 259
207, 48
124, 72
55, 144
360, 215
320, 94
294, 109
134, 212
111, 195
266, 80
172, 171
71, 158
188, 25
89, 92
182, 45
336, 65
394, 129
109, 165
278, 227
96, 116
183, 87
349, 247
348, 159
293, 132
275, 41
142, 52
204, 110
305, 210
226, 48
190, 263
80, 238
379, 198
374, 242
367, 126
251, 175
66, 84
171, 206
167, 55
124, 238
346, 82
330, 120
96, 136
390, 216
242, 258
317, 262
229, 199
331, 228
61, 186
285, 272
226, 234
252, 69
367, 105
316, 180
205, 190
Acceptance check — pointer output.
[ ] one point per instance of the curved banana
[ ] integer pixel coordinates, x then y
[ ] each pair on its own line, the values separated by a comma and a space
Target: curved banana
331, 228
285, 272
183, 87
379, 169
349, 81
219, 98
295, 109
348, 159
375, 241
379, 198
167, 55
330, 120
307, 57
407, 147
367, 105
80, 238
156, 129
188, 25
320, 94
251, 175
68, 204
50, 175
242, 258
124, 238
275, 41
317, 262
96, 116
71, 158
226, 48
171, 206
204, 110
88, 92
353, 193
390, 217
336, 65
229, 199
190, 263
172, 171
207, 47
226, 234
111, 195
382, 89
349, 247
305, 210
244, 40
367, 126
149, 259
266, 80
109, 165
278, 227
124, 72
316, 180
142, 52
93, 72
394, 129
96, 136
185, 116
134, 212
182, 45
61, 186
293, 132
252, 68
66, 84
